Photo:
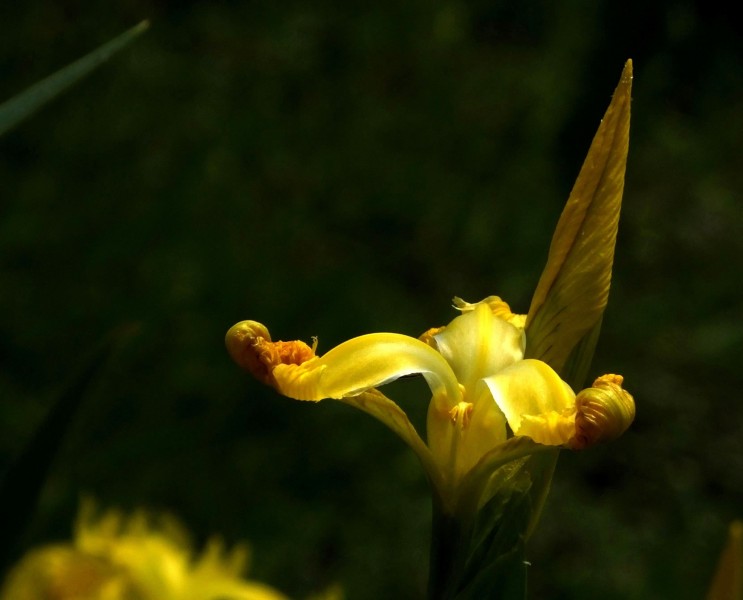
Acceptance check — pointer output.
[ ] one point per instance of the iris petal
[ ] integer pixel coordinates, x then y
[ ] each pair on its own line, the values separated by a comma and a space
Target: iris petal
535, 401
367, 362
477, 344
461, 437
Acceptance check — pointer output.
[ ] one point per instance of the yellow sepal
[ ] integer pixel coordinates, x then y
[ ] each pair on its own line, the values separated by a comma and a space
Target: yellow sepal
536, 402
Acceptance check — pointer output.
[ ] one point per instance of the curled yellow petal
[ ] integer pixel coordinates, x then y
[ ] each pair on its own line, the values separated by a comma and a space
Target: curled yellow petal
349, 369
349, 373
366, 362
603, 412
250, 346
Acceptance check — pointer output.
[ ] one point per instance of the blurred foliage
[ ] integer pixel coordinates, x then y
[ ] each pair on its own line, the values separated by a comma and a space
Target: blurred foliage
334, 170
33, 98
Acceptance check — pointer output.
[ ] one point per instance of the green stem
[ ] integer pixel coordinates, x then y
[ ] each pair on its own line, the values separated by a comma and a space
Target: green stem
447, 535
481, 554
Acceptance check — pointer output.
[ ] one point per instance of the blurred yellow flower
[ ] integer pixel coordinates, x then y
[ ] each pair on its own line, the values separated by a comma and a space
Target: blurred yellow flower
727, 584
140, 557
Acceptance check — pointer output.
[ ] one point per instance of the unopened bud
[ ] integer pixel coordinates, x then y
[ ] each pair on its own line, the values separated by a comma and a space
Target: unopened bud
603, 412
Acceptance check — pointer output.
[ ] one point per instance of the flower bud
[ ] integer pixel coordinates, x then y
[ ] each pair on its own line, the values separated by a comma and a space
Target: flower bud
603, 412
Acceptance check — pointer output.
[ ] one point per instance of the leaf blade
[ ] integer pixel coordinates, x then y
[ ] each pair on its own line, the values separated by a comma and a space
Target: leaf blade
19, 107
574, 287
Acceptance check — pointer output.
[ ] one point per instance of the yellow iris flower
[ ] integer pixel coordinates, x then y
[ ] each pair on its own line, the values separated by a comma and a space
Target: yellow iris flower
494, 376
483, 389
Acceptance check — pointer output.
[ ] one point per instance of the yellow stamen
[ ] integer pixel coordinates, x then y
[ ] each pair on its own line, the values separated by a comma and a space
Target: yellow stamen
460, 414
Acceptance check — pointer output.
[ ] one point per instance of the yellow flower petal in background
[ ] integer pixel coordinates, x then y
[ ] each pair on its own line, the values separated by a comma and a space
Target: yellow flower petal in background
137, 557
572, 292
727, 583
61, 572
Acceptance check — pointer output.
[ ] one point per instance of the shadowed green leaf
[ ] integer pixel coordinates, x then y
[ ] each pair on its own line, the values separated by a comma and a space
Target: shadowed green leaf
484, 557
21, 484
579, 360
15, 110
574, 287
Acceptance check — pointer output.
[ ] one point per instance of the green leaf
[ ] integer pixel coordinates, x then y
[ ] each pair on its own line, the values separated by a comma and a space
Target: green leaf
579, 360
15, 110
484, 556
574, 287
541, 468
503, 578
23, 481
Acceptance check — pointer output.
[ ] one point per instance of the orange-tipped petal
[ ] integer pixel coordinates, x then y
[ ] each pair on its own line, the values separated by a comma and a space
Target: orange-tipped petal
250, 346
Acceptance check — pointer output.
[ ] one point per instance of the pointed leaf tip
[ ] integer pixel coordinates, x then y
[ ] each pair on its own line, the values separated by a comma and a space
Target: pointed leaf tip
627, 72
574, 287
21, 106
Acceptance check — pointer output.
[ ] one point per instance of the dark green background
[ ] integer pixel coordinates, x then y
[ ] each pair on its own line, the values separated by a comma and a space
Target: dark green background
332, 169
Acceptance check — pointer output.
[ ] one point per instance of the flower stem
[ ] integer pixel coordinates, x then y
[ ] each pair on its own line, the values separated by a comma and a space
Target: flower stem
447, 537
